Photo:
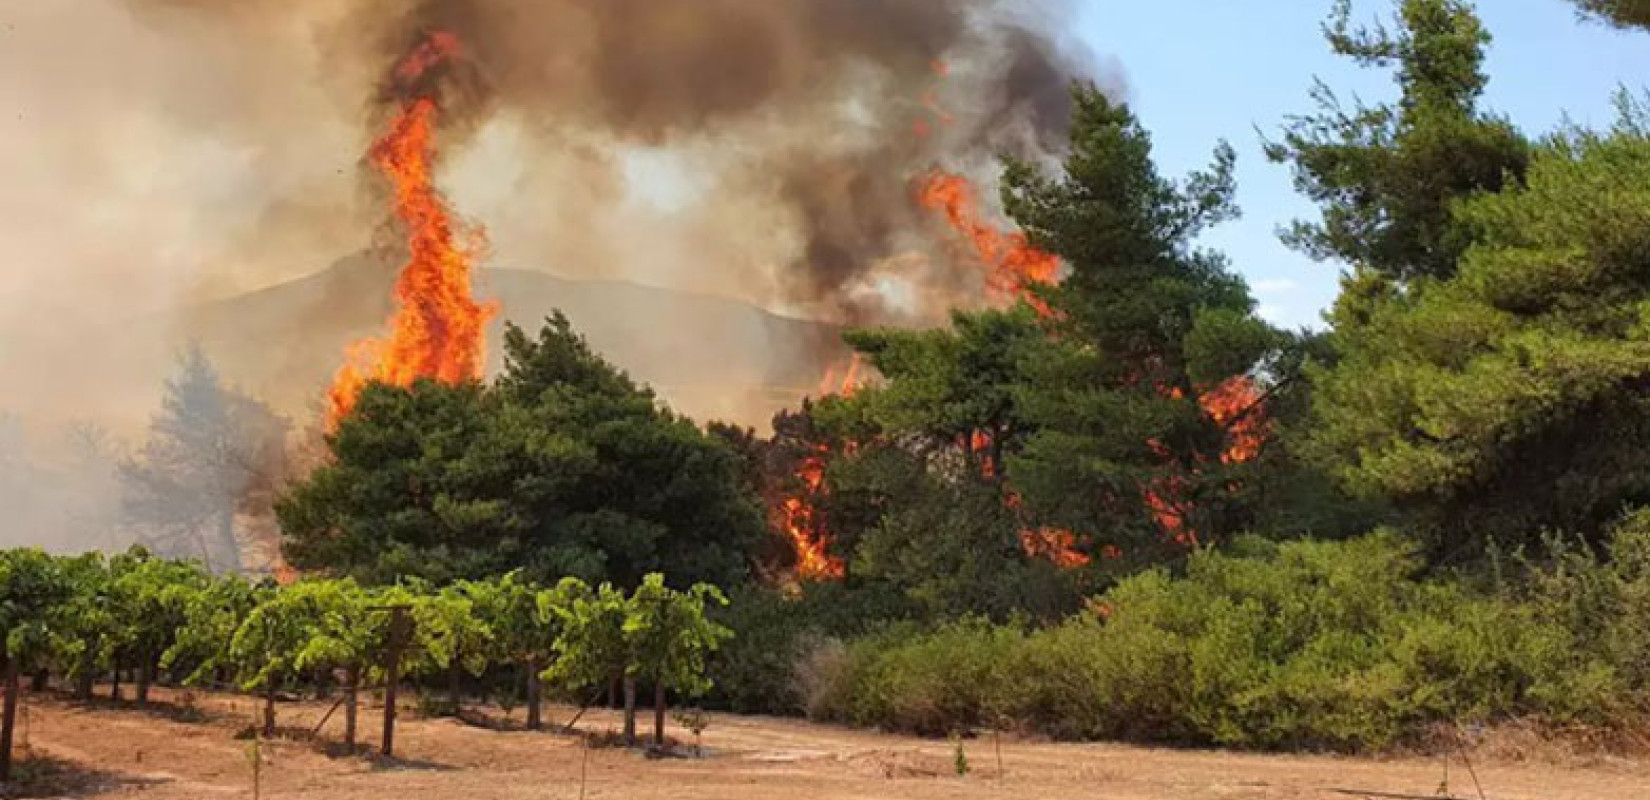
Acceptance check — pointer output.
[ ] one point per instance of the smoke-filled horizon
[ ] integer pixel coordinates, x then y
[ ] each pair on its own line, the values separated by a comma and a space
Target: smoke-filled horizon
764, 151
162, 153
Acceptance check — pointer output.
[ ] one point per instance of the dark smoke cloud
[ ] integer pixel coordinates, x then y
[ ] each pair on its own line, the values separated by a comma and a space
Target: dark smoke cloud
812, 115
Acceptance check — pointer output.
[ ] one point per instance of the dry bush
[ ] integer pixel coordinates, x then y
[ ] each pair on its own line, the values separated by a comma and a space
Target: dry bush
822, 677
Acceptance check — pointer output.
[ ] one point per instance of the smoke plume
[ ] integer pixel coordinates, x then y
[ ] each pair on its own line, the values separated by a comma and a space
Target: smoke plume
160, 153
752, 148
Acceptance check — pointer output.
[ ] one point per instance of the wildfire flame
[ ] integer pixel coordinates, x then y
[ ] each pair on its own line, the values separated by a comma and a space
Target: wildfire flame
848, 385
797, 515
1057, 546
801, 523
1014, 268
438, 328
1013, 265
1237, 406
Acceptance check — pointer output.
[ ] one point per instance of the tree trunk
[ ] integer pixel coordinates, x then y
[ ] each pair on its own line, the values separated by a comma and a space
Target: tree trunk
83, 679
659, 714
114, 685
400, 629
269, 709
352, 687
9, 723
455, 681
535, 720
146, 673
41, 681
630, 710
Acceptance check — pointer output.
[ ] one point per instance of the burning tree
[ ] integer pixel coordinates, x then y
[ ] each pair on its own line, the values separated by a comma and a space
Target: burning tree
1104, 414
796, 490
1144, 404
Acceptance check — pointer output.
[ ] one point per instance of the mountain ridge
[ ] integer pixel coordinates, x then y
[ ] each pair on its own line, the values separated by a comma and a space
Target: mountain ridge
707, 356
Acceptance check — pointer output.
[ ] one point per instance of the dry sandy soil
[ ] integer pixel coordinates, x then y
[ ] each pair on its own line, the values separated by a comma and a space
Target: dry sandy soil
102, 752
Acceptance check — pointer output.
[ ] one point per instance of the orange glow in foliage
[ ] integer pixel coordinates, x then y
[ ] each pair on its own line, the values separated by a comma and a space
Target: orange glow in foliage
1058, 546
1012, 265
284, 574
438, 328
797, 515
1013, 268
807, 532
1236, 405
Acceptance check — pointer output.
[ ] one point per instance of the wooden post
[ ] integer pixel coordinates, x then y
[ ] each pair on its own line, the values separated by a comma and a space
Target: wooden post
400, 629
257, 766
997, 741
10, 721
584, 764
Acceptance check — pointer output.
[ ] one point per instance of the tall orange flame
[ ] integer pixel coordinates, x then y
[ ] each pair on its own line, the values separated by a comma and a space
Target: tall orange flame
438, 328
797, 514
1013, 265
806, 530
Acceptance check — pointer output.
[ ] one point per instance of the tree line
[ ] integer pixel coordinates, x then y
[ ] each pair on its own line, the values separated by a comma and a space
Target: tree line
85, 617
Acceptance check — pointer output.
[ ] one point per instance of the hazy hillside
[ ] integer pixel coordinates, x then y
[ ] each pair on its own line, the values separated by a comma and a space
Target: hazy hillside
708, 356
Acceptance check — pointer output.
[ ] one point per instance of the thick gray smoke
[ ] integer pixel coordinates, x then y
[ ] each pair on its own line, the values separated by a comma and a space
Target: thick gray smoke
747, 147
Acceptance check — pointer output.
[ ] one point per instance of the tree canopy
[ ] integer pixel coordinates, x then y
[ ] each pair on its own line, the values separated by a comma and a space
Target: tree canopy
1620, 12
1511, 397
562, 467
1144, 328
1387, 175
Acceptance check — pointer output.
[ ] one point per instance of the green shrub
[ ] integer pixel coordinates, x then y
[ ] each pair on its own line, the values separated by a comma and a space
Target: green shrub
1318, 645
957, 677
1603, 601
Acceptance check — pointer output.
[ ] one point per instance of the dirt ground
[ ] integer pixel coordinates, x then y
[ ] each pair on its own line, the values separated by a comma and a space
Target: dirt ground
99, 751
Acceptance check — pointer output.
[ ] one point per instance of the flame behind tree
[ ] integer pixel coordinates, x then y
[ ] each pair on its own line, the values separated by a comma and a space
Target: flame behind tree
1013, 266
797, 513
438, 328
805, 526
1239, 408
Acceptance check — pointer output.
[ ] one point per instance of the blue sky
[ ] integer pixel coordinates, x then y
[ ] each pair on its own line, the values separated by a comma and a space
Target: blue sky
1203, 70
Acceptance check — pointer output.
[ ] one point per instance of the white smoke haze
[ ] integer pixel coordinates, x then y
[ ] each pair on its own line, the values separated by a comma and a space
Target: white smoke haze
161, 156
